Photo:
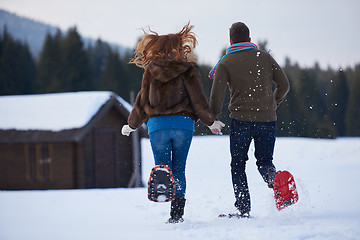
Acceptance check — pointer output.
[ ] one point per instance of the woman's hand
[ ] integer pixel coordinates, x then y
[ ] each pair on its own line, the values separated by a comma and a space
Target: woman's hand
126, 130
216, 127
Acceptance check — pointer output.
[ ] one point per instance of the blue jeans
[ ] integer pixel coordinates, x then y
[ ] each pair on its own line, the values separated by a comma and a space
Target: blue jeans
171, 147
241, 135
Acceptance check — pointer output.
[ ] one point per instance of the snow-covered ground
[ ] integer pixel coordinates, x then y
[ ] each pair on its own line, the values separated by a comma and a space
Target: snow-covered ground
325, 171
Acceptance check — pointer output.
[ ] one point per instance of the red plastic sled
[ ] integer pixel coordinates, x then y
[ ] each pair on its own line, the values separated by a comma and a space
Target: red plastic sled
285, 190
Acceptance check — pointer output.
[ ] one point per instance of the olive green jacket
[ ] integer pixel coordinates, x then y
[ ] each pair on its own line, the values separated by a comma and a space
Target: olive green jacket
256, 82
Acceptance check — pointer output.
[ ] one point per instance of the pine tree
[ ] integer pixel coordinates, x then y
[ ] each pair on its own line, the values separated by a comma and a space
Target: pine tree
337, 102
17, 67
288, 122
263, 45
49, 65
113, 75
75, 72
312, 110
133, 76
98, 59
353, 109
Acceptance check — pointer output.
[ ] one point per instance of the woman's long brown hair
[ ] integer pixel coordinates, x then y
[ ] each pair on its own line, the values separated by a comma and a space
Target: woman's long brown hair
178, 46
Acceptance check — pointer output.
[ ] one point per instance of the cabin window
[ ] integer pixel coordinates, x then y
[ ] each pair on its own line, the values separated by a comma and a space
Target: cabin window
45, 162
38, 162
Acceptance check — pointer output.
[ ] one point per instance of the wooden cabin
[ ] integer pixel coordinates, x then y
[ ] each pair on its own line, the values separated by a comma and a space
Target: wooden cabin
67, 141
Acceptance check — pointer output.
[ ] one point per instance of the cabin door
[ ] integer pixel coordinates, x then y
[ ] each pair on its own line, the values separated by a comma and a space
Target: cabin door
105, 158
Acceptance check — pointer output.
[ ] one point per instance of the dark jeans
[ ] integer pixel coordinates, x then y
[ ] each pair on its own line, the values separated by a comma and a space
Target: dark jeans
171, 147
241, 135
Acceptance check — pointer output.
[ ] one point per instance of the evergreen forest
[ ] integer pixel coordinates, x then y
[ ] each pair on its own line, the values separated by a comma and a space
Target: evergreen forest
321, 103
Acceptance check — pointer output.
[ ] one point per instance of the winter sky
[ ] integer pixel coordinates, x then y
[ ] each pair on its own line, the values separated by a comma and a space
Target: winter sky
307, 31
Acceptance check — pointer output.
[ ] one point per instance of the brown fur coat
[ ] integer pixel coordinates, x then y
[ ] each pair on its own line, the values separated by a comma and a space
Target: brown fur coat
171, 88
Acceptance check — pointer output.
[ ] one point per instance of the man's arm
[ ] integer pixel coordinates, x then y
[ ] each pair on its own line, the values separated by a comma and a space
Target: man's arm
282, 83
218, 89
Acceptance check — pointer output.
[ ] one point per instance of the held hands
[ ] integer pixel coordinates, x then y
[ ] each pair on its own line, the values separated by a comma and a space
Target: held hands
126, 130
216, 127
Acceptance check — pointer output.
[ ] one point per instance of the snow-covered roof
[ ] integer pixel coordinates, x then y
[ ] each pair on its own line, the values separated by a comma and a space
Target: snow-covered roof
54, 112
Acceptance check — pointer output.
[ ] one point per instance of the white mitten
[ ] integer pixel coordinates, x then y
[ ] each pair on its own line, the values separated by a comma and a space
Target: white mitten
216, 127
126, 130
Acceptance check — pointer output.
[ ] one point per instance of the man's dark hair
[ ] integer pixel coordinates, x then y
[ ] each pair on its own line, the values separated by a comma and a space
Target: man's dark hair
239, 32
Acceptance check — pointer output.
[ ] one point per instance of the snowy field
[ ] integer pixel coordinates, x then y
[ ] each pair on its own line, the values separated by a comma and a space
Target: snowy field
326, 173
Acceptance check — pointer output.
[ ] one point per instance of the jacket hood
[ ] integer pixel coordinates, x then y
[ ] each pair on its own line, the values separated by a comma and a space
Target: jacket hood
166, 70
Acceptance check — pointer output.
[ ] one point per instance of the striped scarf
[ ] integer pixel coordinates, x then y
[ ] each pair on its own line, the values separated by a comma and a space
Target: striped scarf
233, 48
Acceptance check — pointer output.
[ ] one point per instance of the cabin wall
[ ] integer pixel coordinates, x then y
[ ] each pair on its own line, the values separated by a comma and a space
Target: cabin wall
98, 161
13, 174
96, 156
36, 166
62, 165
